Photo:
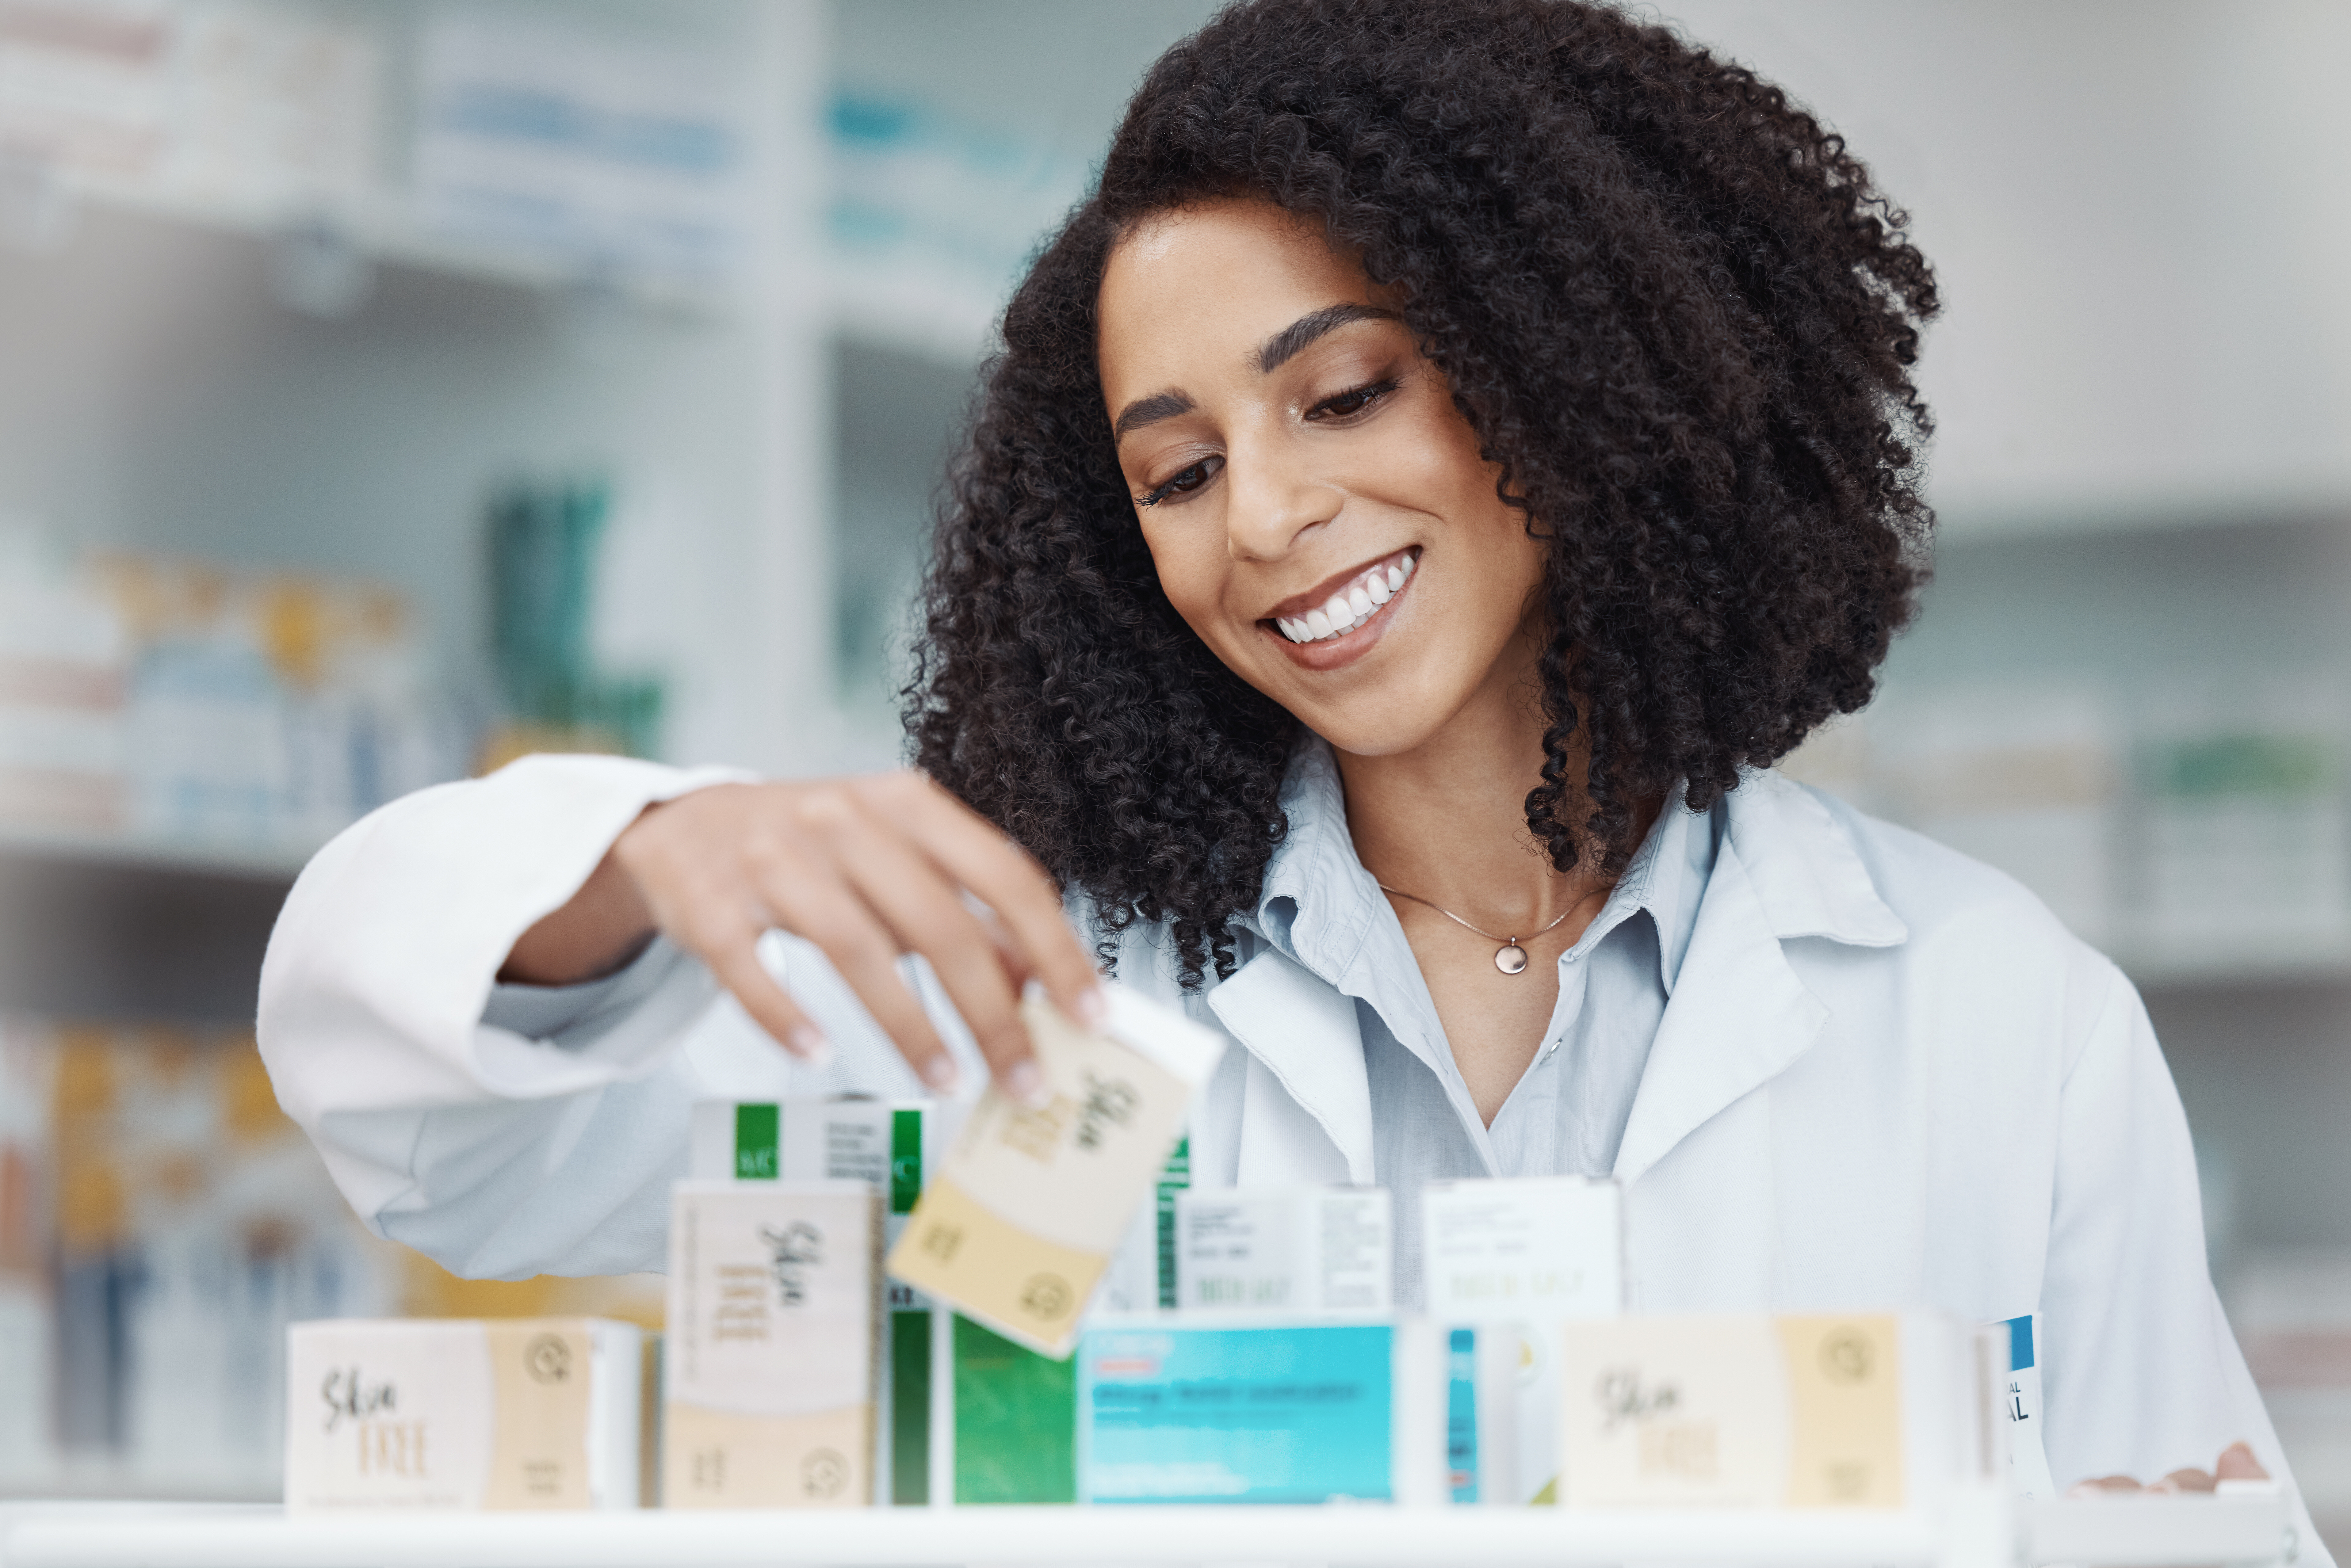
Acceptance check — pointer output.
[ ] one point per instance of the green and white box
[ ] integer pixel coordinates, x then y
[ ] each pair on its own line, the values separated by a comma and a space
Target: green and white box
891, 1146
1285, 1249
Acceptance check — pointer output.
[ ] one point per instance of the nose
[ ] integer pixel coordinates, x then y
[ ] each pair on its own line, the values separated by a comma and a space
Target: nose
1271, 502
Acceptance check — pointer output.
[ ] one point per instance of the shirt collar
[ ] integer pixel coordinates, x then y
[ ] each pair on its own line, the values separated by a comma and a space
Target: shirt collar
1318, 901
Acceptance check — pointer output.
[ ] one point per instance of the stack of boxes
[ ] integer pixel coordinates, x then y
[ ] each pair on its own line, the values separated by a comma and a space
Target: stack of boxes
984, 1361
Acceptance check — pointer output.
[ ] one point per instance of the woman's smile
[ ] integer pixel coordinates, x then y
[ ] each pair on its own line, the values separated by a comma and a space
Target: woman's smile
1340, 621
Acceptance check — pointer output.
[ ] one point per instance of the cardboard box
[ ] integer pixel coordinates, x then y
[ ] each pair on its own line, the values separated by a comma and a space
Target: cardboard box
1503, 1262
1018, 1226
1534, 1248
891, 1146
769, 1355
1244, 1410
520, 1413
1294, 1250
1860, 1410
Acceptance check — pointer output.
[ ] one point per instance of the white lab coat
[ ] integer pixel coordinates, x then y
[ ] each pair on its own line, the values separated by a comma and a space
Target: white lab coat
1886, 1076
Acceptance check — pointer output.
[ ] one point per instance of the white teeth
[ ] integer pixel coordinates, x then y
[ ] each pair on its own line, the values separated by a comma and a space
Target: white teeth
1347, 610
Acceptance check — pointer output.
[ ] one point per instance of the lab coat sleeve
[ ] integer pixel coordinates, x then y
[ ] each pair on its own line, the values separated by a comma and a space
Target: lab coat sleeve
2142, 1374
540, 1138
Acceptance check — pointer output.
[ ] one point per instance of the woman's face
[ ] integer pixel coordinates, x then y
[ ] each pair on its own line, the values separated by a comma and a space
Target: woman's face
1314, 503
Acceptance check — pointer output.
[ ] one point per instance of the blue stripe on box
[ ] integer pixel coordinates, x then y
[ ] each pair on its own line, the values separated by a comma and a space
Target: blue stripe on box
2019, 1342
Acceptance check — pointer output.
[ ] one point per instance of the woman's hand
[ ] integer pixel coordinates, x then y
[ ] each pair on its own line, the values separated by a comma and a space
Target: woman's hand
2236, 1463
867, 869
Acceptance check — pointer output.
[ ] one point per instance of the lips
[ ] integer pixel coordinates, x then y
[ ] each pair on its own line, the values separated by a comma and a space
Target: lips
1352, 604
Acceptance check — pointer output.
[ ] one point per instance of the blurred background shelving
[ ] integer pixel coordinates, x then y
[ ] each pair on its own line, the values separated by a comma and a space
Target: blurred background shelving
387, 387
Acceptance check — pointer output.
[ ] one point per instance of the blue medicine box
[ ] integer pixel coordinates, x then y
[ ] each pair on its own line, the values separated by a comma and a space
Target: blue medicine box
1184, 1413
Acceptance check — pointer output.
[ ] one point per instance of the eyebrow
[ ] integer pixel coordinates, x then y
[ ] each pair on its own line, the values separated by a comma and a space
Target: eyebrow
1271, 355
1292, 339
1150, 410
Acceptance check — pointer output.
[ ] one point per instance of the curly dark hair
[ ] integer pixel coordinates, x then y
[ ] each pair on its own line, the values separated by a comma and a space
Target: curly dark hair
1671, 305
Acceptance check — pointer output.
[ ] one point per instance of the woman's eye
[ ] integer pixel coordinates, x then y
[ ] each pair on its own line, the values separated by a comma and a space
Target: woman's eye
1354, 401
1183, 481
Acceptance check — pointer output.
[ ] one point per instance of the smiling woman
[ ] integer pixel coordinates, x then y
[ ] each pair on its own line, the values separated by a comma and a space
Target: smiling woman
1455, 452
1652, 314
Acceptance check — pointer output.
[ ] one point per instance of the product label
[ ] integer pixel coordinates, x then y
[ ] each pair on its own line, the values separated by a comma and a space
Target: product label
770, 1357
455, 1414
1461, 1416
1535, 1248
382, 1416
2027, 1455
1289, 1415
1845, 1378
1020, 1223
1175, 1177
540, 1454
757, 1134
1734, 1411
1294, 1250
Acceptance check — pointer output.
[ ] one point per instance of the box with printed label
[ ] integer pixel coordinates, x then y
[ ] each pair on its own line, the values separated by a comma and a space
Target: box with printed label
768, 1367
1018, 1227
1177, 1410
891, 1146
519, 1413
1534, 1248
1861, 1410
1296, 1250
1502, 1262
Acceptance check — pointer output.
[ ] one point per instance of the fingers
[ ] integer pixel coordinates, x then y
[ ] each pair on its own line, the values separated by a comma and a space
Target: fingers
2097, 1484
926, 915
974, 855
2236, 1464
828, 913
737, 968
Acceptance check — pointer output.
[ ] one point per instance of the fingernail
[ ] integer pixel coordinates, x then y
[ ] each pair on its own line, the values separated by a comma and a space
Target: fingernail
1093, 1009
1025, 1081
939, 1072
809, 1043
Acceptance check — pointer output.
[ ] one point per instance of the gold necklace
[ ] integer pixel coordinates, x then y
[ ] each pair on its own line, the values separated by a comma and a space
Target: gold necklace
1510, 957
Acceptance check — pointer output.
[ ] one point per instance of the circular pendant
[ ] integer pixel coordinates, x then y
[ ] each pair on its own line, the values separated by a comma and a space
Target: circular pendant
1511, 958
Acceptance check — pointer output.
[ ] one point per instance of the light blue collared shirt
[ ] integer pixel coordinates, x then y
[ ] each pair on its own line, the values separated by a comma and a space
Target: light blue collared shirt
1567, 1113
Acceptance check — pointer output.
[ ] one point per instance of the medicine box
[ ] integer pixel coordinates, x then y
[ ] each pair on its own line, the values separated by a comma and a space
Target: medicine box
1531, 1248
522, 1413
769, 1361
1859, 1410
892, 1147
1186, 1410
1018, 1227
1291, 1249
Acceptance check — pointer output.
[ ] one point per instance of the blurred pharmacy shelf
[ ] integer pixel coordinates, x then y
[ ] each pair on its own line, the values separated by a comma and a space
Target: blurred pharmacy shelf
359, 233
235, 861
1976, 1532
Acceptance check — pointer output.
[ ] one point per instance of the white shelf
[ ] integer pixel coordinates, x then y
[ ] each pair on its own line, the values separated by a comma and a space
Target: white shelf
241, 859
2287, 962
385, 228
1980, 1531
